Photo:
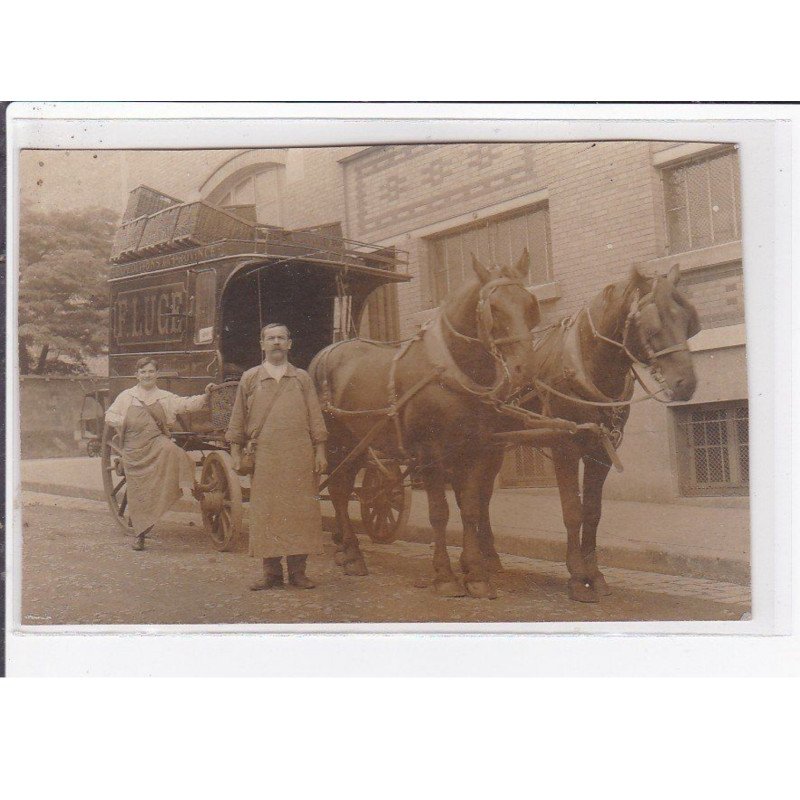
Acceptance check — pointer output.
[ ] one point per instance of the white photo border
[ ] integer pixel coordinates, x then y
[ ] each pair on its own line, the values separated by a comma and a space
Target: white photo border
439, 648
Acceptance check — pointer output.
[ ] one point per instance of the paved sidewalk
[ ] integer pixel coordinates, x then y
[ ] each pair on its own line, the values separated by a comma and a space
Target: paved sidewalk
698, 541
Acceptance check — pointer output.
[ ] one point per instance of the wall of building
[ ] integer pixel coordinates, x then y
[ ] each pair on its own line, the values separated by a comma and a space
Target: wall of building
178, 173
601, 198
313, 190
50, 411
606, 213
314, 187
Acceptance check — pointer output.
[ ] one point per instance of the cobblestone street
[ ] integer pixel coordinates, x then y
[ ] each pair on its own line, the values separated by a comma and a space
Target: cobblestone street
79, 569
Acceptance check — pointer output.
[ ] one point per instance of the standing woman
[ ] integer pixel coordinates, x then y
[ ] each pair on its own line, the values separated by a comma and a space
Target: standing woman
156, 469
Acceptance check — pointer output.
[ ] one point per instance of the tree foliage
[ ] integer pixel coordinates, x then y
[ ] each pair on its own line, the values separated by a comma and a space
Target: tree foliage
63, 295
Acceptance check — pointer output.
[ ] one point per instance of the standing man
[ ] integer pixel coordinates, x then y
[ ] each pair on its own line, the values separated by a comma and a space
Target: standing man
277, 407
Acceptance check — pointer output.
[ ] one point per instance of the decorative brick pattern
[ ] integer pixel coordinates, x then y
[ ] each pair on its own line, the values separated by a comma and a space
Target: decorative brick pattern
399, 187
604, 199
602, 205
717, 293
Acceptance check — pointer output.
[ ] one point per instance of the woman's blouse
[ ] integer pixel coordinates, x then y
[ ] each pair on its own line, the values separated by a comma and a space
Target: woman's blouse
172, 404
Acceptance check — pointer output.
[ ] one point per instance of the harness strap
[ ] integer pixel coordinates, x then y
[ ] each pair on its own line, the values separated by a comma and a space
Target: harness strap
596, 403
633, 314
496, 342
484, 321
365, 443
439, 354
394, 405
675, 348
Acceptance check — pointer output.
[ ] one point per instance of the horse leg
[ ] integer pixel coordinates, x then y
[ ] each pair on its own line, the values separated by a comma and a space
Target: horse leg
467, 483
494, 460
350, 556
595, 472
334, 457
444, 580
566, 463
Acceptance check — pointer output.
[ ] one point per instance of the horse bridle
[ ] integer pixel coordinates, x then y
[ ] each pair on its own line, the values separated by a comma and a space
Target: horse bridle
485, 321
633, 320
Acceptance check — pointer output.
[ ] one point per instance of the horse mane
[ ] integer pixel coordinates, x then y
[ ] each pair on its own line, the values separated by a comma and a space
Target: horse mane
464, 295
616, 298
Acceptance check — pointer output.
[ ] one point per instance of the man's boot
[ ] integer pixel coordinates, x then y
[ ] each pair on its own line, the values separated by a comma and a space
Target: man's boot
138, 542
297, 572
272, 576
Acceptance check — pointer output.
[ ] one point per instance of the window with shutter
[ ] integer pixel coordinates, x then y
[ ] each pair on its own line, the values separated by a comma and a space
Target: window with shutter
497, 240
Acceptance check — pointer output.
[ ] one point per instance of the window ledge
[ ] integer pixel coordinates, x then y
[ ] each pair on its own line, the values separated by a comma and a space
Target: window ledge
546, 292
718, 338
697, 259
681, 152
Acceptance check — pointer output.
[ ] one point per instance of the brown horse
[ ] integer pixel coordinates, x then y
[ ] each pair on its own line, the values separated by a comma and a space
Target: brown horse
428, 402
589, 357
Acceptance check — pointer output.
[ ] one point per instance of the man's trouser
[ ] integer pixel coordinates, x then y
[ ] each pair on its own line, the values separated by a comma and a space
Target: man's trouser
296, 565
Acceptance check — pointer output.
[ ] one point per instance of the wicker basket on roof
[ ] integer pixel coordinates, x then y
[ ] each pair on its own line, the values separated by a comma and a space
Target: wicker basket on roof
200, 223
159, 231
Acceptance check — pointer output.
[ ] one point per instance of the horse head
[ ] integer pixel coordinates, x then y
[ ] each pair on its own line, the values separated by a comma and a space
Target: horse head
662, 320
498, 311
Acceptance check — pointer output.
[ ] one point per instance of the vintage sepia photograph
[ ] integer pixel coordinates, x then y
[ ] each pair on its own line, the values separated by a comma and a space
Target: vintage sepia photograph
468, 382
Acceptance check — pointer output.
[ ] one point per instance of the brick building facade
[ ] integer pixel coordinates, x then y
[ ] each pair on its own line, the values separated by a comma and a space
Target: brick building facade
586, 210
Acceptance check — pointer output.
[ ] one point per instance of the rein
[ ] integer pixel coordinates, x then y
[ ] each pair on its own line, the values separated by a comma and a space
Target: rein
485, 322
485, 325
440, 371
632, 320
634, 317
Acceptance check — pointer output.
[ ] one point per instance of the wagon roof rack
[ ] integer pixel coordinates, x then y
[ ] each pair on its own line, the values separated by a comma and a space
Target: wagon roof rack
199, 231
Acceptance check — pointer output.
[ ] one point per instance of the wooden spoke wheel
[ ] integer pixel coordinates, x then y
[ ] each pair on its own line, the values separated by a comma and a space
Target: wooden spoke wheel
385, 502
221, 506
114, 480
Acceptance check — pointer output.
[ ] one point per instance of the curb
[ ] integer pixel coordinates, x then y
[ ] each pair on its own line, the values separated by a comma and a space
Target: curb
710, 568
727, 570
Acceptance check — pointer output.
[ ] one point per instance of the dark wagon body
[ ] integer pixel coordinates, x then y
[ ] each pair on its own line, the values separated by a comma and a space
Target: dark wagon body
192, 284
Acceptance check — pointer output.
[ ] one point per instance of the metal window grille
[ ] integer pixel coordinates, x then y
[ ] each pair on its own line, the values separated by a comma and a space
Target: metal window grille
714, 449
702, 201
527, 466
499, 240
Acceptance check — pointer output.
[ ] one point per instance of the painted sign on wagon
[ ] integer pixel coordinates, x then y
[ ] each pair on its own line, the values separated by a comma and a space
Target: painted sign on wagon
151, 315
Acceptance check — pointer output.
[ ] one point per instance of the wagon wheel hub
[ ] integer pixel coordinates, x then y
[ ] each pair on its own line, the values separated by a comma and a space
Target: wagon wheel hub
212, 502
385, 501
220, 501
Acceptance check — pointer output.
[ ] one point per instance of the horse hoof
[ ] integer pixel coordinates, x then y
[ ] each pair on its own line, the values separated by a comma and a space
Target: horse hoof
357, 567
493, 563
482, 590
338, 558
598, 583
449, 589
582, 593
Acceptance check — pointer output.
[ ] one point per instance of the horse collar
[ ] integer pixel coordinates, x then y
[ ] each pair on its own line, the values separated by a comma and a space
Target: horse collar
451, 373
